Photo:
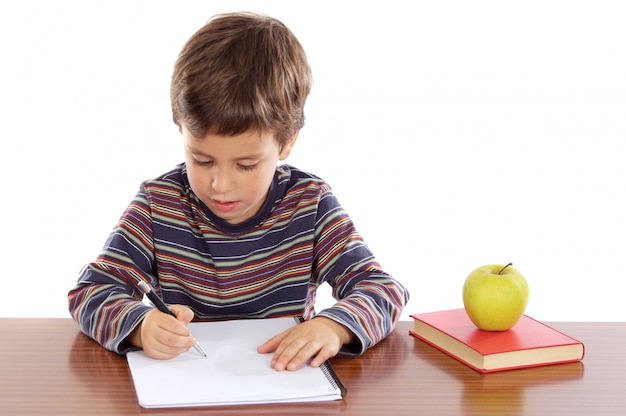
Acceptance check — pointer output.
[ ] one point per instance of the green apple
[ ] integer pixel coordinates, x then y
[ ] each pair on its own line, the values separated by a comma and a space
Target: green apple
495, 297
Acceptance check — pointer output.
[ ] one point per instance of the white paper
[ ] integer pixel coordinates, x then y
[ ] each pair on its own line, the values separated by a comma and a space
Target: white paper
232, 373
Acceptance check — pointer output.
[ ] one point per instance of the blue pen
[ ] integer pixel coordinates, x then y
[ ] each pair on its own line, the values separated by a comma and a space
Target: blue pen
148, 291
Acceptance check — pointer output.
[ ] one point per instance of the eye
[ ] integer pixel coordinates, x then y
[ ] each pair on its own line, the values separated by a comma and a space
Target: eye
202, 162
246, 167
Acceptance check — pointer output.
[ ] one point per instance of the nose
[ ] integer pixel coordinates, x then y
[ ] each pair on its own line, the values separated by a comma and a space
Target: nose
222, 180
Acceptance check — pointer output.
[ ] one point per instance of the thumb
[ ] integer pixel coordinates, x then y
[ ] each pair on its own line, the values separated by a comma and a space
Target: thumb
183, 313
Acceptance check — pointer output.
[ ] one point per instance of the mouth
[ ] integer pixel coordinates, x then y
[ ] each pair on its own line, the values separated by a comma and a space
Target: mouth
224, 206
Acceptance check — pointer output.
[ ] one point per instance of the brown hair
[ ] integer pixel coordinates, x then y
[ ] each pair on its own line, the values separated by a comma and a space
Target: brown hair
241, 71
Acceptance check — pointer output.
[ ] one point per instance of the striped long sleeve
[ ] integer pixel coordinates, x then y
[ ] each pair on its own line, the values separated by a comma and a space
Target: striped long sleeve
269, 266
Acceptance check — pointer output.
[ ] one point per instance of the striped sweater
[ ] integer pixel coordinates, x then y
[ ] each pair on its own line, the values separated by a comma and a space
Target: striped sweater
268, 266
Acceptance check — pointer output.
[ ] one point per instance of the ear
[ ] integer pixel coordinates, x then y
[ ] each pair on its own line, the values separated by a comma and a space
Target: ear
286, 150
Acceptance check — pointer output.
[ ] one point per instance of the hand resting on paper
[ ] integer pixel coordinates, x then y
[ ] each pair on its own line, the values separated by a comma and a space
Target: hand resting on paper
161, 335
164, 337
320, 339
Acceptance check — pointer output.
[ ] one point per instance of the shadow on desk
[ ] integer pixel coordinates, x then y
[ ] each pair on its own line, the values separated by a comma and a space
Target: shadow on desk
498, 392
377, 364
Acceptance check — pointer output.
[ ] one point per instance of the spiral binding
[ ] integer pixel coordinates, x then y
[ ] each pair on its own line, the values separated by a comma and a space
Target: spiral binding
333, 378
328, 370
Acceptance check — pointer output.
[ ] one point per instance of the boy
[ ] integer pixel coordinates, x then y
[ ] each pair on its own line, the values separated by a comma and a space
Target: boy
229, 234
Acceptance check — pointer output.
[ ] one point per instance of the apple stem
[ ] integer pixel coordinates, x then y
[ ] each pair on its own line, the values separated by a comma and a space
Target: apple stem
502, 269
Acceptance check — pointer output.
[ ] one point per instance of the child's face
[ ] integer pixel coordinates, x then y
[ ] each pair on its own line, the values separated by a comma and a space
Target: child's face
232, 174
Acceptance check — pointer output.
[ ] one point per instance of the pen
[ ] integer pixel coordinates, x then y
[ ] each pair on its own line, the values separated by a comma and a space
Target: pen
148, 291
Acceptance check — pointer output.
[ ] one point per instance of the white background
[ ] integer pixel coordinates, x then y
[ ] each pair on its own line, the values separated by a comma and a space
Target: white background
456, 134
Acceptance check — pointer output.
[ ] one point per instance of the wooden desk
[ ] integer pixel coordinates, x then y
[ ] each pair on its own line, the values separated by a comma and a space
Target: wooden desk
48, 367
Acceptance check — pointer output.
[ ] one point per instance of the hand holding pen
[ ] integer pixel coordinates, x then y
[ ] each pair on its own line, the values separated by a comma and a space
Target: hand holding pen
161, 306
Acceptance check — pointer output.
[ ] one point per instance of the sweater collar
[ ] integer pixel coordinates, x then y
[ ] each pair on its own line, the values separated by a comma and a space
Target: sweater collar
270, 200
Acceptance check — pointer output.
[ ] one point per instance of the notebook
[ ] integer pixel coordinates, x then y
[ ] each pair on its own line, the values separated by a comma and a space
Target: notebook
233, 371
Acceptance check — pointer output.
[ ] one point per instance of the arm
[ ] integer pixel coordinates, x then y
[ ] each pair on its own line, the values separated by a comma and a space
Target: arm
369, 301
105, 301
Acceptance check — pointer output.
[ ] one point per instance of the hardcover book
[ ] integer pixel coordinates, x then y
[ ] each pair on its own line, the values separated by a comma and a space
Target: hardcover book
529, 343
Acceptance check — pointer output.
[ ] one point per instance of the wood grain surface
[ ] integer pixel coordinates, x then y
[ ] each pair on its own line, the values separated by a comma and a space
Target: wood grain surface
48, 367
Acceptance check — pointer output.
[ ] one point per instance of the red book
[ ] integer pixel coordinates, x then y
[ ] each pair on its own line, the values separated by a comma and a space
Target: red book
529, 343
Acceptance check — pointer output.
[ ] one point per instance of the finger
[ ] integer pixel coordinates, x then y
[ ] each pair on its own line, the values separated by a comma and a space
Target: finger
163, 336
164, 352
291, 354
271, 344
165, 344
324, 354
171, 324
319, 355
